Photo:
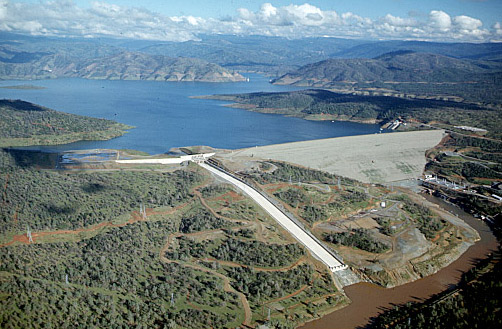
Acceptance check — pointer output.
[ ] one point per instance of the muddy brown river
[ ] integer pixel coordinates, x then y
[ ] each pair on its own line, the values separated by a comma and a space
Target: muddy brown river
368, 300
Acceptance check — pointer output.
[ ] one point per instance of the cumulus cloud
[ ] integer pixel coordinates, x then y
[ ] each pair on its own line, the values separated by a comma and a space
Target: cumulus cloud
297, 15
3, 8
440, 20
65, 17
497, 27
467, 23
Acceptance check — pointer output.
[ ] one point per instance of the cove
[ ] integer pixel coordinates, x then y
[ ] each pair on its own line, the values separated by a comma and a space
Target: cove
165, 116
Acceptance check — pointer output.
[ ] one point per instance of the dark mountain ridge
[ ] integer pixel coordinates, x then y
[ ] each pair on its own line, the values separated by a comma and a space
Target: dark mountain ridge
484, 51
399, 66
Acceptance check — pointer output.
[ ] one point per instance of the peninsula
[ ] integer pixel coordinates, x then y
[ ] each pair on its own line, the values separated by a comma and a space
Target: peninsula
23, 123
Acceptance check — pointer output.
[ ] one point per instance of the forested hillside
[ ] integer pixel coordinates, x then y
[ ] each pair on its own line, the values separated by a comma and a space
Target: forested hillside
400, 66
147, 248
24, 123
406, 72
327, 105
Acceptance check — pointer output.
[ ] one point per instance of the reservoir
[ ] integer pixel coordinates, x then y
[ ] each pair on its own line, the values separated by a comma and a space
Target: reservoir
165, 116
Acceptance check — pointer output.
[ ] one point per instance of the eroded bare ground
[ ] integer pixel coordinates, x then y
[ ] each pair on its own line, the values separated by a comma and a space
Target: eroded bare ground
416, 237
411, 254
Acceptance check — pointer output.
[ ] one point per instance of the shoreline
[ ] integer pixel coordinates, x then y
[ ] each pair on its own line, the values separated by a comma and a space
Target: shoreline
281, 111
55, 140
369, 300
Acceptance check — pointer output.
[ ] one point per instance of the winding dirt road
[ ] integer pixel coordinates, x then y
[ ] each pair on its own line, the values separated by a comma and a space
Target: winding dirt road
226, 282
136, 217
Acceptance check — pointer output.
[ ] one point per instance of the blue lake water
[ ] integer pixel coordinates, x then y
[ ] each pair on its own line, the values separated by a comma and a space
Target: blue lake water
165, 116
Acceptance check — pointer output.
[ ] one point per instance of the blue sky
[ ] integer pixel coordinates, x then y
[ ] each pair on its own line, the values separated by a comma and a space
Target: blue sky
440, 20
489, 11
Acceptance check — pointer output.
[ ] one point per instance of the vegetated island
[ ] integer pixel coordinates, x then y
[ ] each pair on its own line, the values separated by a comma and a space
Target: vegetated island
23, 123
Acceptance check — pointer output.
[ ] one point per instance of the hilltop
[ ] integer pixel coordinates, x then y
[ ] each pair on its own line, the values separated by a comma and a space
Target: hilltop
405, 74
399, 66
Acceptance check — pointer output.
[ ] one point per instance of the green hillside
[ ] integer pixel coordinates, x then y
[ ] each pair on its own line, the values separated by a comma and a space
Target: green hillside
327, 105
406, 74
23, 123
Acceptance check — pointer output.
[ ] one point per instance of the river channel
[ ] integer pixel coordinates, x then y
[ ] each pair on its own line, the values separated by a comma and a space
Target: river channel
368, 300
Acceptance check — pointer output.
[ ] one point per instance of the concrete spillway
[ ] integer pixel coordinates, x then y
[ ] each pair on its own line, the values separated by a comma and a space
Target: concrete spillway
318, 250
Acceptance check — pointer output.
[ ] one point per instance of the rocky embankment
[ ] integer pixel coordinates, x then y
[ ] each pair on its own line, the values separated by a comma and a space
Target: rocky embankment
414, 257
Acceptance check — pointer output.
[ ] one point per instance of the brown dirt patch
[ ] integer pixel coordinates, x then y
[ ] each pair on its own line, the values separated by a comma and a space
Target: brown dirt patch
230, 196
135, 217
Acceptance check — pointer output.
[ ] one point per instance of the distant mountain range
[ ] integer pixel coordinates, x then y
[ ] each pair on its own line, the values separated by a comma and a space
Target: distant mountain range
406, 74
480, 51
122, 66
274, 56
217, 57
398, 66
